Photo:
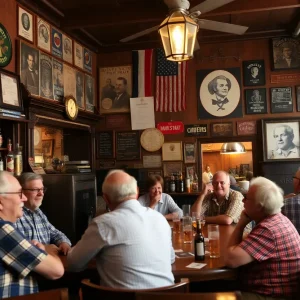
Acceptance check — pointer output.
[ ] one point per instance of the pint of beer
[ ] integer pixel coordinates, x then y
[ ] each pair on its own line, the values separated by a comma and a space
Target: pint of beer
187, 230
176, 226
214, 240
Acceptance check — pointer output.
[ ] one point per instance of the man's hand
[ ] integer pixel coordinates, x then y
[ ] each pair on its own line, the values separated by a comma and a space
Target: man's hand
38, 244
207, 188
244, 219
64, 248
52, 249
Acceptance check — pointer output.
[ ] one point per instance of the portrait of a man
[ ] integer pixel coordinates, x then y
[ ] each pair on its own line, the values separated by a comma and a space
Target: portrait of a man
256, 97
80, 89
25, 24
25, 21
108, 91
254, 72
89, 93
219, 88
122, 98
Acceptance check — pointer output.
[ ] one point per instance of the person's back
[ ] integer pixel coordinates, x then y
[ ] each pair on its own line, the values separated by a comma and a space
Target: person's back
291, 210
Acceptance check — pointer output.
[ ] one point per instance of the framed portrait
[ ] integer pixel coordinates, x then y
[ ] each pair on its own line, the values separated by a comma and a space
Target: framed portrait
219, 93
172, 167
286, 53
221, 129
78, 55
80, 89
189, 153
67, 45
115, 87
87, 60
10, 93
298, 97
47, 147
25, 24
281, 100
256, 102
89, 93
281, 139
43, 34
172, 151
46, 79
29, 68
69, 81
190, 171
254, 72
58, 80
56, 43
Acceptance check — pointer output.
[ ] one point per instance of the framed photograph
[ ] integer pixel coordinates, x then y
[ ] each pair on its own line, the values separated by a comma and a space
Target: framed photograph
115, 87
246, 127
69, 81
189, 153
47, 147
191, 171
221, 129
281, 139
56, 43
89, 93
254, 72
256, 102
78, 55
281, 100
43, 35
29, 68
58, 80
67, 44
46, 79
10, 93
80, 89
219, 93
155, 172
244, 168
298, 97
87, 60
286, 53
172, 167
172, 151
25, 24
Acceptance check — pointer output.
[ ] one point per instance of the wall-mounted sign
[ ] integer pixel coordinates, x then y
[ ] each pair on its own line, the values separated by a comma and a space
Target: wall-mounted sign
281, 100
170, 127
288, 78
246, 127
5, 47
195, 130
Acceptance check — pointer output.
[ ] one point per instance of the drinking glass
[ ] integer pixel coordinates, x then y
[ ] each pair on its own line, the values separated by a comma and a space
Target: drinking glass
186, 209
214, 240
176, 222
187, 230
195, 217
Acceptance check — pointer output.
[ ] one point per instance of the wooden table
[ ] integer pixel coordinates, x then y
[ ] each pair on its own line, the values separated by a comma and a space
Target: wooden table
215, 267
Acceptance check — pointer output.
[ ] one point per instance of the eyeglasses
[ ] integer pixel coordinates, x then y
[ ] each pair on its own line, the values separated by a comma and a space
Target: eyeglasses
44, 189
217, 182
20, 193
294, 177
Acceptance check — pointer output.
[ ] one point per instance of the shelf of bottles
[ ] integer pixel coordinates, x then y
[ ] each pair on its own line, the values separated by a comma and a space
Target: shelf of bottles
176, 184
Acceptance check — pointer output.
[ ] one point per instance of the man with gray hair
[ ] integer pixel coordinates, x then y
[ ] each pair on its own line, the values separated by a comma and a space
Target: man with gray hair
131, 243
34, 224
269, 256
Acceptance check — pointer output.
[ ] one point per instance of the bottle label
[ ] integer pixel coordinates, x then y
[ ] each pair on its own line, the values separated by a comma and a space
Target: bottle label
200, 249
172, 187
10, 165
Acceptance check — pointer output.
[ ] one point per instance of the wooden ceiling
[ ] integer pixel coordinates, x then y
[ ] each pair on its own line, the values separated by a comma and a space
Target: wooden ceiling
100, 24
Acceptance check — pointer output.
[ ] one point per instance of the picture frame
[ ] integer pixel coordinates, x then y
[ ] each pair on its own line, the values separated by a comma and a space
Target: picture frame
56, 43
25, 24
89, 92
43, 35
69, 81
246, 127
172, 151
112, 81
172, 167
87, 60
46, 76
67, 45
78, 55
254, 72
47, 147
105, 144
281, 140
286, 53
256, 101
10, 91
298, 97
244, 168
191, 171
58, 80
221, 129
189, 153
281, 100
80, 89
155, 172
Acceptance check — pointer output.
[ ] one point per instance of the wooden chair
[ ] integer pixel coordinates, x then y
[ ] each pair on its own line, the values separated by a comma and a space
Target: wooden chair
91, 291
189, 296
59, 294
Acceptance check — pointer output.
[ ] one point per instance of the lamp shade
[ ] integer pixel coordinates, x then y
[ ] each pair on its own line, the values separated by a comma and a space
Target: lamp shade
232, 148
178, 34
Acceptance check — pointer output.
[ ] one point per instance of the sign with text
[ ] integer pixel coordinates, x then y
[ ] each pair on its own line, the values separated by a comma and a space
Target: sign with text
287, 78
195, 130
281, 100
173, 127
246, 127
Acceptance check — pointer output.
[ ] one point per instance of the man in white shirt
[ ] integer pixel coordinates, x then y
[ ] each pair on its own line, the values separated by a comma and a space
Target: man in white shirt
132, 244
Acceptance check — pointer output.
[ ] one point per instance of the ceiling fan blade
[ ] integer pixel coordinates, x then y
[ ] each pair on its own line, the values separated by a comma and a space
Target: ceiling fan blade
141, 33
197, 46
223, 27
209, 5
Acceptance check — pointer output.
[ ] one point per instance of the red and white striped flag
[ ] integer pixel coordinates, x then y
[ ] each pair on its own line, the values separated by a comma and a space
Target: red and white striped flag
170, 84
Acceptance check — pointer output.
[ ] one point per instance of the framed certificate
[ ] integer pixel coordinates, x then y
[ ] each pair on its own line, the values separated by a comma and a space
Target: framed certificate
172, 151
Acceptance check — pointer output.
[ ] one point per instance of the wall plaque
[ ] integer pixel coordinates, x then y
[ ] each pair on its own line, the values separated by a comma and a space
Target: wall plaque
256, 102
105, 144
128, 145
281, 100
170, 127
117, 121
254, 72
246, 127
195, 130
287, 78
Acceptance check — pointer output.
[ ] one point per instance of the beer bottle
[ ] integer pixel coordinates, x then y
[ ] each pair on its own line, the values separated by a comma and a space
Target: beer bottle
199, 244
172, 186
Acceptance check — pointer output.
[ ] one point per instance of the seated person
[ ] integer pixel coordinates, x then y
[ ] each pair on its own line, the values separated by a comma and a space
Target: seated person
217, 203
291, 208
249, 175
207, 176
233, 184
269, 255
131, 243
34, 225
158, 200
20, 258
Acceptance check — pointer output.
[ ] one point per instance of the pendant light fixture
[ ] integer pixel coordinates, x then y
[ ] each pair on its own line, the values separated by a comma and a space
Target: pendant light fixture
232, 148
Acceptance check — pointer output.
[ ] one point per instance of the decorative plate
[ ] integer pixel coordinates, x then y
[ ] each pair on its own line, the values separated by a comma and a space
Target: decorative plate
152, 139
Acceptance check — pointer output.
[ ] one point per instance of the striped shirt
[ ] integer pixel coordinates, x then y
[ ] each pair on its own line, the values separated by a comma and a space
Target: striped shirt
18, 259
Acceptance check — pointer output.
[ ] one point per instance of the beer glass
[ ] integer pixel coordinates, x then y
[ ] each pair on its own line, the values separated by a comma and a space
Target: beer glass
195, 217
214, 240
186, 209
176, 222
187, 230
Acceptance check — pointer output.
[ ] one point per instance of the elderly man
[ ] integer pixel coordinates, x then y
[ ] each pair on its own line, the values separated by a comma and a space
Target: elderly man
132, 244
218, 203
19, 257
270, 254
122, 99
34, 225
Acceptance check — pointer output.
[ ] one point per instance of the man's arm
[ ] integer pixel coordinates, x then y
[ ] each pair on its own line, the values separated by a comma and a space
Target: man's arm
220, 219
197, 206
172, 207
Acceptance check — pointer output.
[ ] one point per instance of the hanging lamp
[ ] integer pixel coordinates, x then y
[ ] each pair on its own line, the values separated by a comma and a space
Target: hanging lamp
232, 148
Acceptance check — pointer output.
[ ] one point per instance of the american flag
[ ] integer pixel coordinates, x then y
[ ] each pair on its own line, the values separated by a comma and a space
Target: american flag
170, 84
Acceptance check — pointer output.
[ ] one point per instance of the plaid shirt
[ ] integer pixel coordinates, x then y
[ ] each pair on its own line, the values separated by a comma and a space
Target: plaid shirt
232, 206
18, 259
35, 226
274, 243
291, 209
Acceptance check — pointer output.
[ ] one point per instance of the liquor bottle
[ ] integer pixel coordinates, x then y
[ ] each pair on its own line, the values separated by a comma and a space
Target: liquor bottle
180, 184
10, 158
1, 163
172, 186
199, 244
166, 185
18, 161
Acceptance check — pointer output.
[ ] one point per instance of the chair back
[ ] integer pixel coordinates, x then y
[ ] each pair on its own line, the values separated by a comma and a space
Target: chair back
91, 291
58, 294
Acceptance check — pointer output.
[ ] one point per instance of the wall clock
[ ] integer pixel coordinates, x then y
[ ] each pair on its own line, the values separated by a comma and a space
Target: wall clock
152, 139
71, 107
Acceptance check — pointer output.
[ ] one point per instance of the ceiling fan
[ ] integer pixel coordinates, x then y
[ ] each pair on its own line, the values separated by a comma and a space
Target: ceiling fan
194, 13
